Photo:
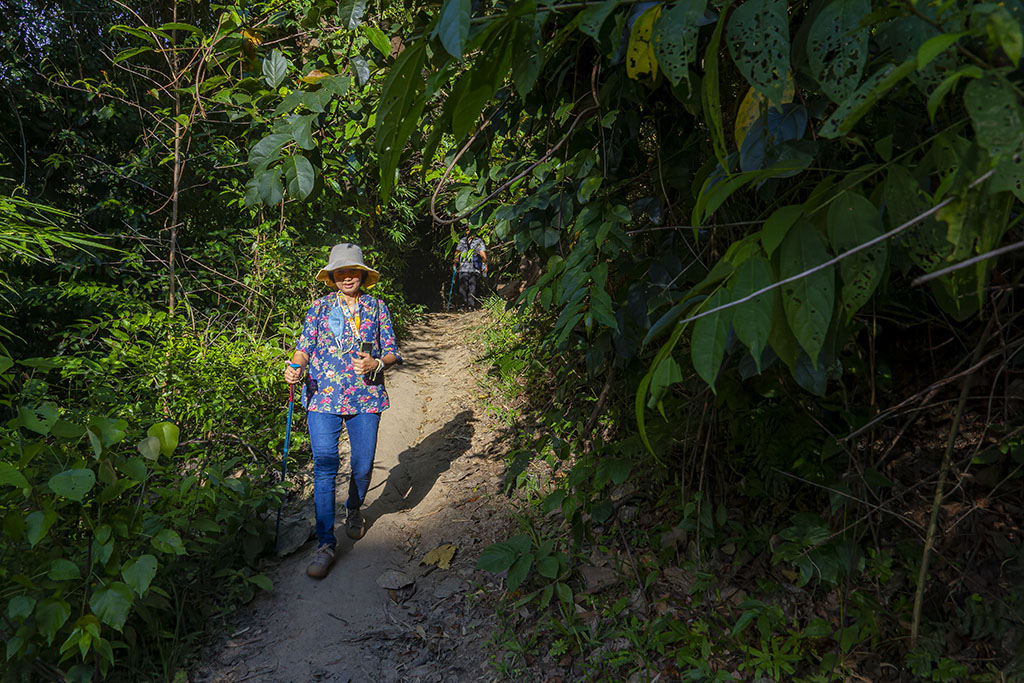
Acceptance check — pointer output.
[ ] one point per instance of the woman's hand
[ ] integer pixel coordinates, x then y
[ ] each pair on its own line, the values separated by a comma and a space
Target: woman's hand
293, 375
364, 363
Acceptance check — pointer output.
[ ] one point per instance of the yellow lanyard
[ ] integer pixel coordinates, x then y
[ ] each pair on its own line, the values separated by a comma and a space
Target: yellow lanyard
351, 316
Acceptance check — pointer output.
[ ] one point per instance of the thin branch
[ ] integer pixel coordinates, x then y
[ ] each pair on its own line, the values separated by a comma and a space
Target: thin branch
969, 262
832, 261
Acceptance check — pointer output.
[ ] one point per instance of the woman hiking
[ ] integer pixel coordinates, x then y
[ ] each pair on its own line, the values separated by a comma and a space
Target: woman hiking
346, 345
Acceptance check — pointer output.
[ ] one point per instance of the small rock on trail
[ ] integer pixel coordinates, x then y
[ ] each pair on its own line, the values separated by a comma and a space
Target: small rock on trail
383, 614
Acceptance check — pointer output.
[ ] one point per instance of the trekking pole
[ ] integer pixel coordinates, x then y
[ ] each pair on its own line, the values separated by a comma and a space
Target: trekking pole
451, 289
284, 459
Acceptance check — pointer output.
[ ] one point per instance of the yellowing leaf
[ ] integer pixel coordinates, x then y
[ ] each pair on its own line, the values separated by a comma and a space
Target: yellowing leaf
251, 37
314, 76
441, 556
640, 59
750, 108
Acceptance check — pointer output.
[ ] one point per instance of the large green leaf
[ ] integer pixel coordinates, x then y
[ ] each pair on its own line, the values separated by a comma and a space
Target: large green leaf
73, 484
852, 221
752, 320
517, 574
37, 524
62, 569
778, 225
168, 541
50, 615
854, 107
529, 54
837, 47
5, 364
925, 242
139, 572
112, 604
486, 76
275, 68
758, 37
593, 17
109, 430
11, 476
20, 607
350, 13
378, 39
302, 131
270, 186
167, 433
453, 26
710, 335
808, 301
299, 174
267, 149
39, 419
675, 38
399, 111
997, 116
711, 99
496, 557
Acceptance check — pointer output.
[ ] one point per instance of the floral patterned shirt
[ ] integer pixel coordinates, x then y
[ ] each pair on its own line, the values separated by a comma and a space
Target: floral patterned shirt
329, 339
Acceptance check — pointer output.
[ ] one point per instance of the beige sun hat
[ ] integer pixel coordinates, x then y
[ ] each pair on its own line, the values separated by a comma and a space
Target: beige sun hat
347, 256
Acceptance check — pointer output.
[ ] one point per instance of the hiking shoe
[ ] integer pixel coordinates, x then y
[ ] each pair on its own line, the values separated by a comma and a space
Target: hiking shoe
354, 526
323, 557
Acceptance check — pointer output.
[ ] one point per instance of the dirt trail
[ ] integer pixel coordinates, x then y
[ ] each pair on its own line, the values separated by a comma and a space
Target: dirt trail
381, 614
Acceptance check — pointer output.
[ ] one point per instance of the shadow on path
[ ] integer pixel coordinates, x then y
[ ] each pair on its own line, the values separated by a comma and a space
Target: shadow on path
419, 467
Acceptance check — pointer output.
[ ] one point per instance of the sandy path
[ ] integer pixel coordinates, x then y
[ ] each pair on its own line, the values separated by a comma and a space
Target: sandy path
381, 615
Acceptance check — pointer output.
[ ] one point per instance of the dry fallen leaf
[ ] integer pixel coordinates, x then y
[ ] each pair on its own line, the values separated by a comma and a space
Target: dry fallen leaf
441, 556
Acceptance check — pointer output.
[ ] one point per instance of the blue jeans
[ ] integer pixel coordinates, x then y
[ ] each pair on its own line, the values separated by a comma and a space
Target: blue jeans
324, 432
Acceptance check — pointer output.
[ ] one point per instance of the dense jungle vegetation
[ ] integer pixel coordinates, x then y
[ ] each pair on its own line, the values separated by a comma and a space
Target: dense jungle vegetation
767, 342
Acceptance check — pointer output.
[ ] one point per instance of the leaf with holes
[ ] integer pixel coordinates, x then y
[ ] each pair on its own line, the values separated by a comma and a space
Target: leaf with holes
39, 419
925, 242
758, 38
996, 115
73, 484
837, 47
808, 301
675, 38
275, 68
640, 59
860, 102
752, 320
852, 221
710, 335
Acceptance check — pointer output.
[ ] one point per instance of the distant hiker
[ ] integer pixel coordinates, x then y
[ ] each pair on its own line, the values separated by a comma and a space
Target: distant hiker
347, 342
470, 262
